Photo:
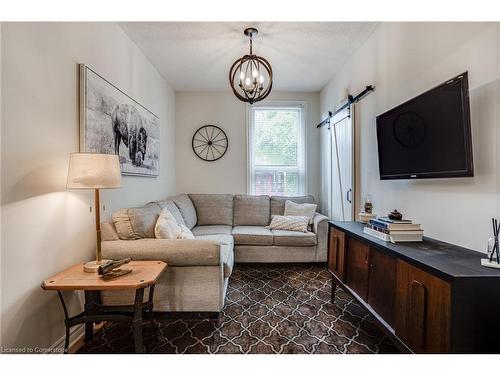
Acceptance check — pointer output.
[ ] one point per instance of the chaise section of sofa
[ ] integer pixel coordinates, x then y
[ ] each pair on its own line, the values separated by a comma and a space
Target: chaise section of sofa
227, 229
198, 270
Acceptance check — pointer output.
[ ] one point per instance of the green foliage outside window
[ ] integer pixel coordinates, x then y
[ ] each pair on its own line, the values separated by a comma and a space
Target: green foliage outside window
276, 135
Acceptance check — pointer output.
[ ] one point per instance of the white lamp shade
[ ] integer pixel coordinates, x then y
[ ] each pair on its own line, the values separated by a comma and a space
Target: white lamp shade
93, 171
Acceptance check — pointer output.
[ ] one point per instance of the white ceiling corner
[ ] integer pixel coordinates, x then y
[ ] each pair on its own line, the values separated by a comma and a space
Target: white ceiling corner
196, 56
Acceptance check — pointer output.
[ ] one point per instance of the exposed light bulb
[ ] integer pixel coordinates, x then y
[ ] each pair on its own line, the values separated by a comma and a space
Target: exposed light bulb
255, 73
242, 76
261, 79
247, 81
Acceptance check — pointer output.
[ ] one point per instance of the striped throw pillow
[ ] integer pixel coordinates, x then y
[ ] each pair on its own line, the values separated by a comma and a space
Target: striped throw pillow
293, 223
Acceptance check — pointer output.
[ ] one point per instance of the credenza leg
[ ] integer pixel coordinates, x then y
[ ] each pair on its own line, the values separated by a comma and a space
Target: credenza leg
334, 288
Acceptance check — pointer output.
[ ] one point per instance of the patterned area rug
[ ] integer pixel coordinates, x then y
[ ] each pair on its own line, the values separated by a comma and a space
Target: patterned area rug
269, 309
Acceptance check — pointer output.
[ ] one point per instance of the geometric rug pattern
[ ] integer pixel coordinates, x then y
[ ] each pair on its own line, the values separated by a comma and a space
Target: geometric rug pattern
274, 309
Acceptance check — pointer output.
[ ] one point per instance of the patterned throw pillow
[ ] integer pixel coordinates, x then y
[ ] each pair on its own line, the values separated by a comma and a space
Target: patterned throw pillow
300, 209
293, 223
167, 227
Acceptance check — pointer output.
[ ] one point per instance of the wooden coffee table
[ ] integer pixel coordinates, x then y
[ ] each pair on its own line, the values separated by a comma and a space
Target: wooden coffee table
144, 275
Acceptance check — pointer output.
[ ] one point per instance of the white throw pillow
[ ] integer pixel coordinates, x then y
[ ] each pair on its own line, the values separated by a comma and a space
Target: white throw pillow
300, 209
166, 227
293, 223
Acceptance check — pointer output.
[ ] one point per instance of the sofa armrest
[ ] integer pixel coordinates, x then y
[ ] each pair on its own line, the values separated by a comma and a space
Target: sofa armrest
320, 227
173, 252
320, 222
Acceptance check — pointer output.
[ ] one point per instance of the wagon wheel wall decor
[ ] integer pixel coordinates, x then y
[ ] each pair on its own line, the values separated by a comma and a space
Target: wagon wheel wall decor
210, 143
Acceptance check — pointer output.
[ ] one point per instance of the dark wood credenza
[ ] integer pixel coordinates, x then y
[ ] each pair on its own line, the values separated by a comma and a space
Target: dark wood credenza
428, 297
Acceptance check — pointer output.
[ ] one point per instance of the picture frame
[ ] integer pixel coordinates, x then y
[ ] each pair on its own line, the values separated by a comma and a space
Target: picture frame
112, 122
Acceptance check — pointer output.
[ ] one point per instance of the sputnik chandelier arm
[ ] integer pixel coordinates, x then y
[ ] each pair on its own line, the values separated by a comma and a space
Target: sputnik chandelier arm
251, 76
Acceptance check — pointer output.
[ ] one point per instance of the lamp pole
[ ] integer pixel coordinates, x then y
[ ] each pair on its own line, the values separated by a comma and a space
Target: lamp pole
98, 255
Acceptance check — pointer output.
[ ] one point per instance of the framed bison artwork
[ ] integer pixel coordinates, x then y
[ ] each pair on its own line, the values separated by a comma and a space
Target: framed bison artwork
111, 122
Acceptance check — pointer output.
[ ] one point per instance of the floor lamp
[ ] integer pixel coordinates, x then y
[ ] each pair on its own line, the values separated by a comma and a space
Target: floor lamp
94, 171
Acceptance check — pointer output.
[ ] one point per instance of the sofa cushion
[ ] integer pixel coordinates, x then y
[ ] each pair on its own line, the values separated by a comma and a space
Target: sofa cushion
290, 238
167, 227
226, 250
213, 209
136, 223
108, 232
278, 203
201, 230
252, 235
186, 207
293, 223
300, 209
251, 210
173, 209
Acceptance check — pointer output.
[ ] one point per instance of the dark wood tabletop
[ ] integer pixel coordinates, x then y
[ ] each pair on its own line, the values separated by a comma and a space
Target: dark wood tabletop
440, 258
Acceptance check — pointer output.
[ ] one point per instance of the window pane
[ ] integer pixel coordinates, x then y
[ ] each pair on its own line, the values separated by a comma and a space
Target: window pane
277, 182
275, 137
277, 151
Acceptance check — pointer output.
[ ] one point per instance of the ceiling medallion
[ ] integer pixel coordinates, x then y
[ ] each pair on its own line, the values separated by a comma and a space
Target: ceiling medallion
251, 77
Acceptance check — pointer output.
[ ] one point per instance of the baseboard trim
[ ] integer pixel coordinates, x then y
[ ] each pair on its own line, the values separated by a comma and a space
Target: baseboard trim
75, 335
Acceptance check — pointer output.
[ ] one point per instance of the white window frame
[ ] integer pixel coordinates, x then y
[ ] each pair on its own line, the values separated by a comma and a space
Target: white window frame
302, 142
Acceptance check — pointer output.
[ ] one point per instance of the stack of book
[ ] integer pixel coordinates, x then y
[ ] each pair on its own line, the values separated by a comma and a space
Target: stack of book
394, 230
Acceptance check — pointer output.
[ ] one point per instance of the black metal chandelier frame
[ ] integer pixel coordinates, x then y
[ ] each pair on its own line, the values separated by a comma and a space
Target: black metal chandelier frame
247, 64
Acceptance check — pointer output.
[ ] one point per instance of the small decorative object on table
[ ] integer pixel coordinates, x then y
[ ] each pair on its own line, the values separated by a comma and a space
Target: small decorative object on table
367, 214
112, 269
493, 257
395, 215
368, 204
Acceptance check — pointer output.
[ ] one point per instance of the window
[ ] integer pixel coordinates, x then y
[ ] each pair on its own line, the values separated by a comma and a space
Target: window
276, 135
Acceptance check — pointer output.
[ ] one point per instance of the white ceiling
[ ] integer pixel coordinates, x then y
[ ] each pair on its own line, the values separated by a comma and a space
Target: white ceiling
197, 55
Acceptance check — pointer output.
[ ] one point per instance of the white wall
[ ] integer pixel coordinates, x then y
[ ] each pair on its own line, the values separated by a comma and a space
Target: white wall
222, 108
1, 342
44, 227
402, 60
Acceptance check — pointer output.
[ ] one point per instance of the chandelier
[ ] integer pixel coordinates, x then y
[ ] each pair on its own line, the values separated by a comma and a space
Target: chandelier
251, 77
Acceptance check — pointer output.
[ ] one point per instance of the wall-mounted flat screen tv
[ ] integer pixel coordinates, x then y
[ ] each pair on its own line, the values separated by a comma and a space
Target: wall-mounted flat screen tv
428, 136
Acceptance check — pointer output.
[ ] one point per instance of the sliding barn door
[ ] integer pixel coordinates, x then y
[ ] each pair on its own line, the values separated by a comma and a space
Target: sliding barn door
342, 166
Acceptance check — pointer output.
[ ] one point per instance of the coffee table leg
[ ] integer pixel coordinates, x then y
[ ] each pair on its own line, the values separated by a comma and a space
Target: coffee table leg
89, 331
151, 317
66, 323
91, 297
137, 321
150, 300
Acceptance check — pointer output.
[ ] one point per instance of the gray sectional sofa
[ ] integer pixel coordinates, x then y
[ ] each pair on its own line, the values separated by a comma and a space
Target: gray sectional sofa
227, 229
